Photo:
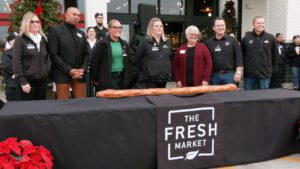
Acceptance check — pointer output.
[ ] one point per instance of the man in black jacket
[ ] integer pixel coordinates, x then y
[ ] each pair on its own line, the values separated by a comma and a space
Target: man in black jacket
68, 51
101, 30
260, 53
11, 85
277, 76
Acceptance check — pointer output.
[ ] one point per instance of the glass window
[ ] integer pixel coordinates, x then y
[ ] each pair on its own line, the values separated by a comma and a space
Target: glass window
229, 11
203, 8
172, 7
222, 7
62, 3
134, 4
117, 6
125, 32
80, 4
4, 6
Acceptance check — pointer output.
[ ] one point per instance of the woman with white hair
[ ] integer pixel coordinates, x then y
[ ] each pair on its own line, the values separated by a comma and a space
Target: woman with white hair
192, 65
153, 57
30, 59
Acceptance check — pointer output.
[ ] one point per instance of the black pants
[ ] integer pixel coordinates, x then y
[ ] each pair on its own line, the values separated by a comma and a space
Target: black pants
146, 84
277, 77
90, 89
38, 90
117, 80
12, 93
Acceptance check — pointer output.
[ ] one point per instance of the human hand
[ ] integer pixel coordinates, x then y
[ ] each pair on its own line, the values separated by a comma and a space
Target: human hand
178, 84
26, 88
204, 83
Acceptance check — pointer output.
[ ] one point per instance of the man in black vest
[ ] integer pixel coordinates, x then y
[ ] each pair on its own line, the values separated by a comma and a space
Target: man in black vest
69, 55
101, 31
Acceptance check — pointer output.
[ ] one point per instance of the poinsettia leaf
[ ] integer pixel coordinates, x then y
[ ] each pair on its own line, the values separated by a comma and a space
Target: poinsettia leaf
14, 146
32, 167
4, 148
25, 143
25, 159
8, 165
191, 155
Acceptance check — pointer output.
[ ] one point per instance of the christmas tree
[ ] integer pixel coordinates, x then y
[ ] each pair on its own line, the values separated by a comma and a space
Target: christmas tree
229, 16
48, 11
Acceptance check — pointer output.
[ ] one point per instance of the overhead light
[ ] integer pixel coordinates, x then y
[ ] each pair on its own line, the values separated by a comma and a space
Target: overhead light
209, 14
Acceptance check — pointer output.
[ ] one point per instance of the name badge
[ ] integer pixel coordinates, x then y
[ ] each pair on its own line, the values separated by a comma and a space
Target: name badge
227, 43
165, 46
30, 46
79, 35
218, 49
266, 41
182, 51
154, 48
250, 41
124, 54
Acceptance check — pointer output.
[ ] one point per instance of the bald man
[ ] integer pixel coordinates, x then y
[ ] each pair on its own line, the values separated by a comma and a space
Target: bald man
69, 56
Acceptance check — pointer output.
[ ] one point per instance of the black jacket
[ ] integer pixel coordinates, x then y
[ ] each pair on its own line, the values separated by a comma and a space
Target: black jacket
154, 60
101, 34
260, 55
28, 63
67, 51
7, 69
294, 58
101, 64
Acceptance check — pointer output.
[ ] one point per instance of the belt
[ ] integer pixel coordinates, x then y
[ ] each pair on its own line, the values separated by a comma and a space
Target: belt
117, 73
223, 71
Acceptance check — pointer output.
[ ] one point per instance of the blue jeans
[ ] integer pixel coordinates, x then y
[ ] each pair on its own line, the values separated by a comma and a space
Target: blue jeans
296, 76
222, 78
251, 83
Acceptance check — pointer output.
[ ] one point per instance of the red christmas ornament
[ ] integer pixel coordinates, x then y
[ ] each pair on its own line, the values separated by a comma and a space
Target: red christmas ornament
39, 9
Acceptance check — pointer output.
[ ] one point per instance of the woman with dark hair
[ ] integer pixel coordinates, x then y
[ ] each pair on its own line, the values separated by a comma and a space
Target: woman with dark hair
30, 59
92, 40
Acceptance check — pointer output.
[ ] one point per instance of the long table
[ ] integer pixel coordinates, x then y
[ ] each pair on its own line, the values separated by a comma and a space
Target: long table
122, 133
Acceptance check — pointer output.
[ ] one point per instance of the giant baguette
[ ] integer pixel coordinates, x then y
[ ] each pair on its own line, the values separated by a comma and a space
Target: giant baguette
110, 93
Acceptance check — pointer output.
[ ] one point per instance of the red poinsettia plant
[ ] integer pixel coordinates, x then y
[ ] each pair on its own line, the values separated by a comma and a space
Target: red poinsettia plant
24, 155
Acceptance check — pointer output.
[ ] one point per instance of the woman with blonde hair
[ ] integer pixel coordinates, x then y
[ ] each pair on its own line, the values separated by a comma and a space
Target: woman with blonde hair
153, 57
30, 59
192, 65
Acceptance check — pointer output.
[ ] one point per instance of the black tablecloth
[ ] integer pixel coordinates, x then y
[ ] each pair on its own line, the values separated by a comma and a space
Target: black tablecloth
121, 133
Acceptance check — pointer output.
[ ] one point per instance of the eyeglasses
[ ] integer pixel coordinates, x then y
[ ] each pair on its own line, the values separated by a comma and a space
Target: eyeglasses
116, 27
193, 34
37, 22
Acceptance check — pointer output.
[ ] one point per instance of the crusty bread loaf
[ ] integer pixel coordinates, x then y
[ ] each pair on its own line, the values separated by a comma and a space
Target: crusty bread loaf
110, 93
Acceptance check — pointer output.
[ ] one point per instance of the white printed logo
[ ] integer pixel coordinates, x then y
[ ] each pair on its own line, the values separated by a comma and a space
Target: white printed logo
193, 136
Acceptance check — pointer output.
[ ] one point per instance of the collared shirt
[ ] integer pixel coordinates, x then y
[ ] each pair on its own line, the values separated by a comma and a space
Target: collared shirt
226, 53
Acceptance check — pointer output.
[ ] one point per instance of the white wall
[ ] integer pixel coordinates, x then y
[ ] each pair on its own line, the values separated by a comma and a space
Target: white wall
293, 19
250, 9
278, 16
92, 7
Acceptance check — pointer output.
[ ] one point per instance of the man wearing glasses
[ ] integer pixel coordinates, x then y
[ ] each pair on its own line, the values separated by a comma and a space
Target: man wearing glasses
69, 55
110, 64
226, 56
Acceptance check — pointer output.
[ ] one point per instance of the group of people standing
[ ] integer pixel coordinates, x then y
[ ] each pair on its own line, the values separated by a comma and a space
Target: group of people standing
101, 60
